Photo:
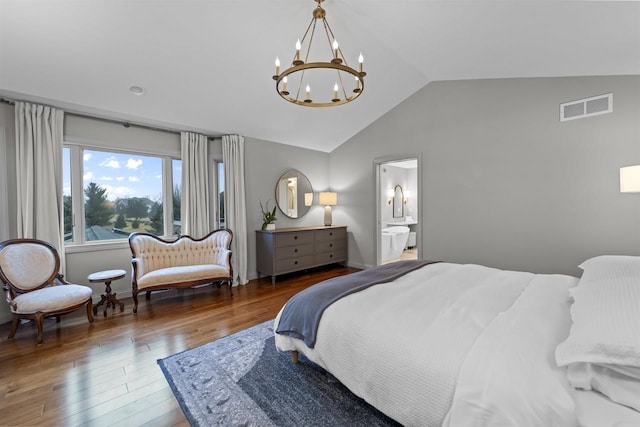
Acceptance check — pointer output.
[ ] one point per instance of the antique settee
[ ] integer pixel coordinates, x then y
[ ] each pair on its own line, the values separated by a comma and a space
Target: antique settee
180, 263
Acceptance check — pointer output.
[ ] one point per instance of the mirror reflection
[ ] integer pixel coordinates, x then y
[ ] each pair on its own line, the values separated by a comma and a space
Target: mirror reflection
398, 202
294, 194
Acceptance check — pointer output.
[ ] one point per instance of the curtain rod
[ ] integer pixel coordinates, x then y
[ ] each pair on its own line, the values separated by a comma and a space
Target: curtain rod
104, 119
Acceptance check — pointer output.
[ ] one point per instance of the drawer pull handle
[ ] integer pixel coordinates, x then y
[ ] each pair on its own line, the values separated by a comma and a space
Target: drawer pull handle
296, 263
295, 251
330, 245
331, 233
295, 237
331, 256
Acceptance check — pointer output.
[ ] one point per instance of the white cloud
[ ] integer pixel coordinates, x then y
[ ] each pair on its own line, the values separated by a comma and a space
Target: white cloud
88, 176
118, 192
159, 176
105, 178
86, 157
134, 164
134, 179
111, 162
120, 178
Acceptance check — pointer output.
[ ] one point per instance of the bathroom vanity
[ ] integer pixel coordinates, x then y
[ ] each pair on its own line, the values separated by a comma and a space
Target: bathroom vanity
288, 250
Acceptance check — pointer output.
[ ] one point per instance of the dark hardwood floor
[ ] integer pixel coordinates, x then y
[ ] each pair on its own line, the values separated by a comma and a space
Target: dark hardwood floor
106, 373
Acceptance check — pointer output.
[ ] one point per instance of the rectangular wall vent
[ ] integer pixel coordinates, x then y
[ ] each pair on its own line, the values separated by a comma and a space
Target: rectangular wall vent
586, 107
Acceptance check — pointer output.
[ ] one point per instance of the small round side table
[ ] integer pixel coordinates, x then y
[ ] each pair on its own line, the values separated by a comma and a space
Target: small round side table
110, 299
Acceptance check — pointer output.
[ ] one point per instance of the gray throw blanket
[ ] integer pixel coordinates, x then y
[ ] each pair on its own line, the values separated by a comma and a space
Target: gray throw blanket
301, 315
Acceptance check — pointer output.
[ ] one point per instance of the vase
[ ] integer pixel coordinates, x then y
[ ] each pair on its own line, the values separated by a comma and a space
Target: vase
270, 227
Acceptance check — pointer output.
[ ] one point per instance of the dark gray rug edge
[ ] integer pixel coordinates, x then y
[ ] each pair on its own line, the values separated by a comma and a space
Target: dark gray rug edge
176, 392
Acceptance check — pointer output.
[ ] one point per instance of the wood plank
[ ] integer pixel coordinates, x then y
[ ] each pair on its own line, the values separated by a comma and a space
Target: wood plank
106, 373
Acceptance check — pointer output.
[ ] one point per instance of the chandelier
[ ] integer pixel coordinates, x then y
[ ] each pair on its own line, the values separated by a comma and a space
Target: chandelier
333, 82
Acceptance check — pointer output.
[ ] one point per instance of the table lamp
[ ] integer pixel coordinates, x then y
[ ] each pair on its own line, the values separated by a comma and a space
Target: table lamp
328, 199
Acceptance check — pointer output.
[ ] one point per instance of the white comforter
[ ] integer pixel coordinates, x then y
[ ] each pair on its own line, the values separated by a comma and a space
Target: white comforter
452, 344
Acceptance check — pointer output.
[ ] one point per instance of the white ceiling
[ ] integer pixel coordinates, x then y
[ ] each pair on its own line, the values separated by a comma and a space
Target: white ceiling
206, 65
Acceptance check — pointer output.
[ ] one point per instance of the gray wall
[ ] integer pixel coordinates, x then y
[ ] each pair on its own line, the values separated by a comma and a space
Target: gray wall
504, 183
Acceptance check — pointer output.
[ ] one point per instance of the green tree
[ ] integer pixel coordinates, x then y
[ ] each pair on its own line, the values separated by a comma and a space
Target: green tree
68, 214
221, 207
120, 222
155, 219
137, 208
177, 197
97, 210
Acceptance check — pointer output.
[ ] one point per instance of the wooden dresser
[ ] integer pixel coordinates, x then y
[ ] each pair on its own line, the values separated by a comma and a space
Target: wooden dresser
287, 250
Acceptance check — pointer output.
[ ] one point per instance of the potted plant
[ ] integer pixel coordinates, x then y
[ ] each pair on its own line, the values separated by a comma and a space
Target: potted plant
268, 217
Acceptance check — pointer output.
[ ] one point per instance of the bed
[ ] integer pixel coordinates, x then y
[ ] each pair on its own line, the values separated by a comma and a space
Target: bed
464, 344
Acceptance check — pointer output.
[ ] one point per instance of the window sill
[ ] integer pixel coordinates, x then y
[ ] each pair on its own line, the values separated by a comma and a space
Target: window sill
96, 246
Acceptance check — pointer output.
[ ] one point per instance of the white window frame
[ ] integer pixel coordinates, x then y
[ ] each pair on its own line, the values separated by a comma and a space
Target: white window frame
79, 243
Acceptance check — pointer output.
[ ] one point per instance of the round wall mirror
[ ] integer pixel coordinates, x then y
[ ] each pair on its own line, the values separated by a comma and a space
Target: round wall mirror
294, 194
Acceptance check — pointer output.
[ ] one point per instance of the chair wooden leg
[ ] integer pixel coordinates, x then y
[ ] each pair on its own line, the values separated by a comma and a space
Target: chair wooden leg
90, 311
14, 326
39, 319
135, 302
231, 287
148, 295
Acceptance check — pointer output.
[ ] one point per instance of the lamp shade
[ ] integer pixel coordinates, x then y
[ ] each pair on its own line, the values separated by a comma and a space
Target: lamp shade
308, 199
328, 199
629, 179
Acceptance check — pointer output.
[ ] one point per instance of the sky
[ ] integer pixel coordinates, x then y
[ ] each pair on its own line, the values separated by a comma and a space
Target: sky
123, 175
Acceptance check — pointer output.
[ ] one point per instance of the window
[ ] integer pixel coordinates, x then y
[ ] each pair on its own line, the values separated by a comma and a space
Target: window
220, 181
121, 193
66, 195
177, 195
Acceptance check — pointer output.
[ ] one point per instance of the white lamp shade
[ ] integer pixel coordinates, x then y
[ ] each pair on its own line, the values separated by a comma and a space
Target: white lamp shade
328, 199
308, 199
630, 179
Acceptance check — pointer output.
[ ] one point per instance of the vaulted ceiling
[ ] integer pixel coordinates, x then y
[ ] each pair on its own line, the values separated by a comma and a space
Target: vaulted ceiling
206, 65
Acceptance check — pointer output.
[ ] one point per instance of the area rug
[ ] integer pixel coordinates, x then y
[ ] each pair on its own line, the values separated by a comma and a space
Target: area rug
242, 380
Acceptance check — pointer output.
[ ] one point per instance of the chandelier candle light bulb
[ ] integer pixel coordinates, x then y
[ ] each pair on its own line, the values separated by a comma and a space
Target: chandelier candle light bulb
311, 70
308, 99
298, 47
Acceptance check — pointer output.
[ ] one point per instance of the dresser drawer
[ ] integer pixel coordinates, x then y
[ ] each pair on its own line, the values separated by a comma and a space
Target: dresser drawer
293, 251
330, 257
294, 238
331, 234
329, 245
294, 264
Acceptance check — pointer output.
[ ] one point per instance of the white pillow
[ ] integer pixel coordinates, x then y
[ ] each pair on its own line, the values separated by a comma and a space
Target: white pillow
605, 314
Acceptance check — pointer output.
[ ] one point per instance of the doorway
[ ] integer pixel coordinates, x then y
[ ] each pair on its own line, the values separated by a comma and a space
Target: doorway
398, 208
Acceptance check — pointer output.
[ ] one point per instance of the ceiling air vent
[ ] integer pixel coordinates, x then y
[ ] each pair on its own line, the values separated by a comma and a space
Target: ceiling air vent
587, 107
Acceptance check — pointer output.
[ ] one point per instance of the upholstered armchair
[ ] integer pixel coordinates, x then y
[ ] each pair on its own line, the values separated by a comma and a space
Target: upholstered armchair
29, 270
